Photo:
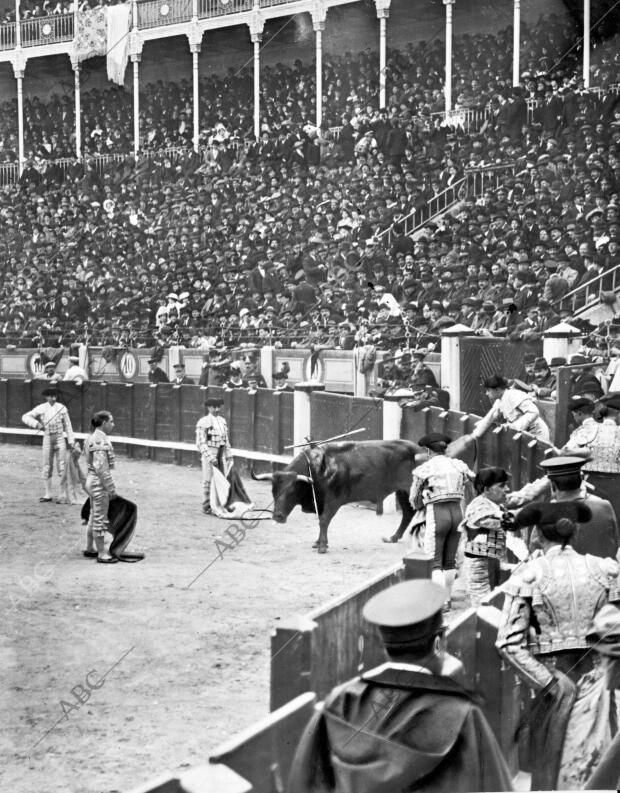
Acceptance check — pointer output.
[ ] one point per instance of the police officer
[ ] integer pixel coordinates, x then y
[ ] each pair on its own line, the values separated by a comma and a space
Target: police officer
408, 724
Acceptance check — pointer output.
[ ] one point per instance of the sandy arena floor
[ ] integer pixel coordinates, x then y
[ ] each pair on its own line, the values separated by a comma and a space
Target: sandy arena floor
185, 666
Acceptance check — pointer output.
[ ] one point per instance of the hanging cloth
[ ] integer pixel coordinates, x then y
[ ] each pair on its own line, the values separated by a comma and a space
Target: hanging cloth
118, 42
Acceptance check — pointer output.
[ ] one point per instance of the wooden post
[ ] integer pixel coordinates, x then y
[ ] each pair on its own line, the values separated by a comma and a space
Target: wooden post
499, 685
291, 660
302, 422
275, 423
177, 391
532, 473
152, 453
515, 460
392, 421
104, 396
417, 566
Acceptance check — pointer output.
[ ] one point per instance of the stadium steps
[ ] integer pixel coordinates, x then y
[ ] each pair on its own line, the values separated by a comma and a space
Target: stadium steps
598, 300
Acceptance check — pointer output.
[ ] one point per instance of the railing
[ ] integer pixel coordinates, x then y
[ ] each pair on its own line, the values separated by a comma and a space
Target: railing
474, 182
7, 36
47, 30
8, 173
155, 13
217, 8
588, 294
467, 119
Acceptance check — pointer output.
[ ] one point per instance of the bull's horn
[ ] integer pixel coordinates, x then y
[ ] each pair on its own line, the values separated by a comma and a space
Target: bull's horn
302, 478
261, 477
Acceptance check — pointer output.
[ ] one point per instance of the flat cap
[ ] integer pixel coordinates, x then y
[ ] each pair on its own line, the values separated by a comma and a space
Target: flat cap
214, 402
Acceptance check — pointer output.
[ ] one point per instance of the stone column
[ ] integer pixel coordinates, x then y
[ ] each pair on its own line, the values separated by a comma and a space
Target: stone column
18, 61
383, 12
561, 341
448, 84
451, 362
392, 418
516, 43
256, 25
195, 42
267, 360
301, 412
78, 109
319, 15
135, 53
586, 43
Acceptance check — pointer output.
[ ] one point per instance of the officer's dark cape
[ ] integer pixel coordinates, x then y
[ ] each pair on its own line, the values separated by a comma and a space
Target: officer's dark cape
393, 733
123, 515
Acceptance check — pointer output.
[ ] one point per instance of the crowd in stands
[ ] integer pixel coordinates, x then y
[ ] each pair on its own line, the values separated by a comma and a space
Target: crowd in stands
282, 240
32, 9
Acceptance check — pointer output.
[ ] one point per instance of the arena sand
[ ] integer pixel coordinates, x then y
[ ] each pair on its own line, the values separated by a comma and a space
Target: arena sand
186, 665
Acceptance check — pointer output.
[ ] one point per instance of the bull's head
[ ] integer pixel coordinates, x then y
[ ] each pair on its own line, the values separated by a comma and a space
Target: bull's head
285, 488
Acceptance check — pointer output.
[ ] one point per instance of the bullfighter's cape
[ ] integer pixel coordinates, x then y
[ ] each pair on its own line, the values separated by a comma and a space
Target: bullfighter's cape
123, 515
394, 730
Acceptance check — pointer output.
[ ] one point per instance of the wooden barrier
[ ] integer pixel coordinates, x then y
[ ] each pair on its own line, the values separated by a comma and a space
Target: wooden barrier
319, 650
165, 414
260, 757
316, 651
333, 414
263, 753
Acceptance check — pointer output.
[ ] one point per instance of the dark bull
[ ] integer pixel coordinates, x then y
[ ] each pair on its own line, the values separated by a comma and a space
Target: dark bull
323, 478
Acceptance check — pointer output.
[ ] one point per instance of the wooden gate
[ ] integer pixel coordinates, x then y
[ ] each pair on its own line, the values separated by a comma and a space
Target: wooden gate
480, 358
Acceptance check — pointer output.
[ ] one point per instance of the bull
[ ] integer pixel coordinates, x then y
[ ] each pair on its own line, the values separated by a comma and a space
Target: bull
323, 478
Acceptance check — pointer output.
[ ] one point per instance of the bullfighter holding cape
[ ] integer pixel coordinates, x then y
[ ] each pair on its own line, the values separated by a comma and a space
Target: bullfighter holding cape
105, 510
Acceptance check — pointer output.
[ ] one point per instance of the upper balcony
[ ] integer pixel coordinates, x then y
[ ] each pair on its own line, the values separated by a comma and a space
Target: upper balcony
153, 16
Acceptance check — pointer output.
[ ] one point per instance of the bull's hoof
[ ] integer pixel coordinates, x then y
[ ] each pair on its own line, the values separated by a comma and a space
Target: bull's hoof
322, 548
393, 538
315, 544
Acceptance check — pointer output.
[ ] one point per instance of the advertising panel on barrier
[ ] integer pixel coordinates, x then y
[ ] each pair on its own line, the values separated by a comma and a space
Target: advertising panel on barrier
26, 364
128, 365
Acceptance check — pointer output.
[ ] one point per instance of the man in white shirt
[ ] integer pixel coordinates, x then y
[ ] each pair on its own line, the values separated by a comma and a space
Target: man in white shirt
54, 422
75, 373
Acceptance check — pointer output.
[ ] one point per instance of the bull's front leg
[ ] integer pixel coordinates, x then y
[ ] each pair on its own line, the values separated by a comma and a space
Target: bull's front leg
324, 521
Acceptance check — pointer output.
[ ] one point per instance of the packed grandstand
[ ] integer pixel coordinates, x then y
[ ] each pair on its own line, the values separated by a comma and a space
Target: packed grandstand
299, 238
